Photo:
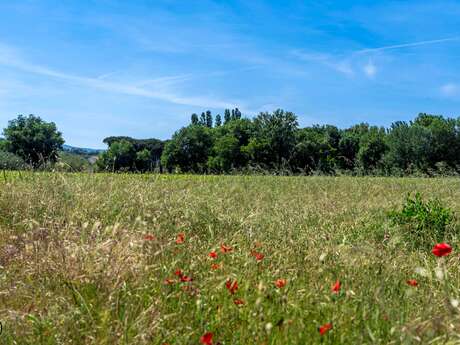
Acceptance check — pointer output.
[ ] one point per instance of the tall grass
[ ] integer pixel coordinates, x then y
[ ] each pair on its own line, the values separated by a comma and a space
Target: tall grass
77, 267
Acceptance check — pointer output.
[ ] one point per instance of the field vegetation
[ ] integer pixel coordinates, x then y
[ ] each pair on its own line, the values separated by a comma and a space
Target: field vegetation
178, 259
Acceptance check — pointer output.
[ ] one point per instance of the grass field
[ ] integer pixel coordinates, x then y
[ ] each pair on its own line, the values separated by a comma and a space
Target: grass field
92, 259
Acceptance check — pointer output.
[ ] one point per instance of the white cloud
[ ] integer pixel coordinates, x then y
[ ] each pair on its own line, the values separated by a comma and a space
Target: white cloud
10, 58
407, 45
450, 90
342, 66
370, 69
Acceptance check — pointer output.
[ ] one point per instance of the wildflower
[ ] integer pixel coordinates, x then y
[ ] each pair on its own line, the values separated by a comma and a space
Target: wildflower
231, 287
422, 271
180, 238
268, 327
215, 266
412, 282
441, 249
206, 339
336, 287
257, 256
225, 249
280, 283
182, 276
454, 302
185, 279
169, 281
213, 254
325, 328
149, 237
439, 273
238, 301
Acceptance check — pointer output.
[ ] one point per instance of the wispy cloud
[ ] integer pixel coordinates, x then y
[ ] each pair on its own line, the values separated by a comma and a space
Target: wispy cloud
450, 90
349, 63
406, 45
370, 69
342, 66
9, 58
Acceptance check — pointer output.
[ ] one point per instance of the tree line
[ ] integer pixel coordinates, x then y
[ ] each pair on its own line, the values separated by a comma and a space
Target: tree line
269, 142
273, 141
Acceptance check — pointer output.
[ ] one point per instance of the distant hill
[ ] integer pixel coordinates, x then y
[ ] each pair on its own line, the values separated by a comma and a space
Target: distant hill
81, 150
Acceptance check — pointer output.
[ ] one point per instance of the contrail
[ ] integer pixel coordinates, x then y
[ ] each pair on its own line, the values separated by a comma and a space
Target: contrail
406, 45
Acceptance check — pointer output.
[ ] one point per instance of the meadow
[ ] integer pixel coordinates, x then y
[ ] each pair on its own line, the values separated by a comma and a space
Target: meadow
153, 259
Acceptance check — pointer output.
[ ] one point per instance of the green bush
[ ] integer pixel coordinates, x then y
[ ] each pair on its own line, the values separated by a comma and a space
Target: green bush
9, 161
70, 162
423, 222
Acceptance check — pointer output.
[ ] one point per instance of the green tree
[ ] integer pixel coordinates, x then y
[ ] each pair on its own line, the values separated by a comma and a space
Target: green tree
33, 139
227, 116
229, 142
313, 150
194, 119
120, 156
188, 149
275, 138
143, 160
218, 120
203, 119
153, 146
372, 149
208, 119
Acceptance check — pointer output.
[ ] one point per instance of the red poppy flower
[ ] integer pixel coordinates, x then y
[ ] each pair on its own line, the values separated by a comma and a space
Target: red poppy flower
325, 328
215, 266
280, 283
231, 287
185, 279
336, 287
225, 249
149, 237
178, 273
213, 254
206, 339
169, 281
180, 238
238, 301
412, 282
257, 256
441, 249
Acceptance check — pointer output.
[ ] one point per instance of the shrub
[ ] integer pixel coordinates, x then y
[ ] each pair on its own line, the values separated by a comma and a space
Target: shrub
9, 161
72, 162
423, 222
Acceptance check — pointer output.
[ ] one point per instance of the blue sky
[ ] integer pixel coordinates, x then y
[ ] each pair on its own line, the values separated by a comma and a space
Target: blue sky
140, 68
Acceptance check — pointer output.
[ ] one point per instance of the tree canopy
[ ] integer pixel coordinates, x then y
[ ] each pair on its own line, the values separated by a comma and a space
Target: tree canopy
271, 141
34, 140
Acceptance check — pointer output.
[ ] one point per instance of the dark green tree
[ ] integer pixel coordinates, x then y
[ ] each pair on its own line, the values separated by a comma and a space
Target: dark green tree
372, 149
138, 160
313, 150
188, 150
194, 119
229, 142
203, 119
208, 119
33, 139
227, 116
121, 156
218, 120
275, 138
237, 114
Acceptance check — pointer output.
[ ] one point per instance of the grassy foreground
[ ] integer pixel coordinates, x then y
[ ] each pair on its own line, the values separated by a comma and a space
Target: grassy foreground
92, 259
